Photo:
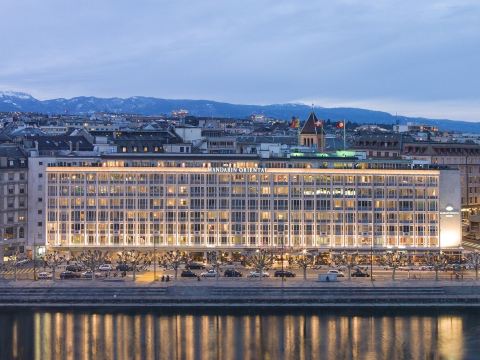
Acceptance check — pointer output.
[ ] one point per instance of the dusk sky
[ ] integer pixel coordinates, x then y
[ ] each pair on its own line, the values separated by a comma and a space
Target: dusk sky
408, 57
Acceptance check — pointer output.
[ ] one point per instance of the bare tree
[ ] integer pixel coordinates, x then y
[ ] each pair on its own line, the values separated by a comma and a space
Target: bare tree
12, 264
394, 259
173, 259
350, 260
437, 260
92, 259
215, 259
305, 260
134, 258
260, 260
52, 261
473, 258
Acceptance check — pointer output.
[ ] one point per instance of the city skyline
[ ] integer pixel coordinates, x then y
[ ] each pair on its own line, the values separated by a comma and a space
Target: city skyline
405, 58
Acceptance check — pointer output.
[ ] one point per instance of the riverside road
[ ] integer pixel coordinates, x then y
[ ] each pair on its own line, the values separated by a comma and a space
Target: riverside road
238, 294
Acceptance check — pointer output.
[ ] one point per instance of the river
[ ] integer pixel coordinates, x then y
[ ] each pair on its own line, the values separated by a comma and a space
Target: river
150, 335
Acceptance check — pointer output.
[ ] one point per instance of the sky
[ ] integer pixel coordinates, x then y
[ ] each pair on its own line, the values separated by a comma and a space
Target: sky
410, 57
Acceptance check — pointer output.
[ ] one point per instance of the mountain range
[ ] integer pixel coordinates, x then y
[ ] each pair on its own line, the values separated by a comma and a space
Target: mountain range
17, 101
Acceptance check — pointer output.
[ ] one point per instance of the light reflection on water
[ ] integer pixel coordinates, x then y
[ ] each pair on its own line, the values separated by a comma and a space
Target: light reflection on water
86, 335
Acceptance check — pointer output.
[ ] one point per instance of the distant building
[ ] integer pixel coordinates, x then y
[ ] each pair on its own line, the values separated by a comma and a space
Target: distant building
312, 134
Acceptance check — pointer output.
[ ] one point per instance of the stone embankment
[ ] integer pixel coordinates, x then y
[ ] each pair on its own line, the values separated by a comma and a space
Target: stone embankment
210, 296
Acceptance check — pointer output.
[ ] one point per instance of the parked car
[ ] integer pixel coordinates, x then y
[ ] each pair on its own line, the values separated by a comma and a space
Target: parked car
105, 267
74, 268
44, 275
232, 273
22, 261
210, 273
188, 273
359, 273
256, 274
284, 273
426, 268
69, 275
88, 274
195, 266
339, 273
124, 267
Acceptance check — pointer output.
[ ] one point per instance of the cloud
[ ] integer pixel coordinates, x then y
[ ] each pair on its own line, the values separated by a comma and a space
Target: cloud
250, 51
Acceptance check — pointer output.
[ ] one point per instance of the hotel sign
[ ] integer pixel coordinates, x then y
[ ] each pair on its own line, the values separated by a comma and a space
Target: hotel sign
233, 170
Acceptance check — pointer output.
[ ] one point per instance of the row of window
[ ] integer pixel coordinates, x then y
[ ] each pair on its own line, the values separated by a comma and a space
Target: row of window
227, 191
239, 204
213, 179
242, 240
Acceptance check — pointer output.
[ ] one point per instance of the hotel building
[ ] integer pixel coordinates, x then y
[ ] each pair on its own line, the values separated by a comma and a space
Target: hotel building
235, 202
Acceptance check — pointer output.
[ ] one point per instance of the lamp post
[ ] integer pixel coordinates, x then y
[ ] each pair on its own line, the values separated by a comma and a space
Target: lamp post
371, 260
34, 259
154, 259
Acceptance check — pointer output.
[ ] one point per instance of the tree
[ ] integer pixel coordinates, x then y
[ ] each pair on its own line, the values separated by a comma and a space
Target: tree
92, 259
12, 264
473, 258
394, 259
173, 259
350, 260
52, 261
260, 260
437, 260
215, 259
304, 261
134, 258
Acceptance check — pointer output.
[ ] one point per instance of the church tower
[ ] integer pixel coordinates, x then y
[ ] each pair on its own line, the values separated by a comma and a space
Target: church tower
312, 134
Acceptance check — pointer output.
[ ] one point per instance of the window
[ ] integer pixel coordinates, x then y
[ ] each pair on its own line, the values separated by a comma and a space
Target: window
40, 199
40, 223
11, 176
40, 175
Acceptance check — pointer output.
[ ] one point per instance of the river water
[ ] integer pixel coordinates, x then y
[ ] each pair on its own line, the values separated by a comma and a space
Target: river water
153, 335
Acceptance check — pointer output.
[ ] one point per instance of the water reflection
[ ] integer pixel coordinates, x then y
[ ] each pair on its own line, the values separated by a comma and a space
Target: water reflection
74, 335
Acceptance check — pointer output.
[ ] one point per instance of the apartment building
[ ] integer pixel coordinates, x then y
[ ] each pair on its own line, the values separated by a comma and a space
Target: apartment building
13, 200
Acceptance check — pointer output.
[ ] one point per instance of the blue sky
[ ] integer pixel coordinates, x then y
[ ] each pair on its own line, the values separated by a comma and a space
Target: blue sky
410, 57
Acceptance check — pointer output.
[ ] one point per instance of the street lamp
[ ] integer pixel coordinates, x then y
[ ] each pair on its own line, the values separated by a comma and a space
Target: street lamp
154, 259
371, 260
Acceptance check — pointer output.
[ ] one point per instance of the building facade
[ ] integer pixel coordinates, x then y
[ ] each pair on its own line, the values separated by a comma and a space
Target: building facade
241, 202
13, 200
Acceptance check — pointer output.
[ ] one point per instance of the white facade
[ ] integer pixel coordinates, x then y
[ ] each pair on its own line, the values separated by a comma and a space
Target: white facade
251, 203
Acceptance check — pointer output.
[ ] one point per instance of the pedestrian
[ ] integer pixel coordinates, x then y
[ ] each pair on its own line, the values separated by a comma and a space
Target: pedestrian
168, 278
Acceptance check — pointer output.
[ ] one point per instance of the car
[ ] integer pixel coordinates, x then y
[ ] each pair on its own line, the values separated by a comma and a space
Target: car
284, 273
105, 267
124, 267
426, 268
88, 274
69, 275
232, 273
359, 273
338, 273
195, 266
188, 273
210, 273
256, 274
44, 275
22, 261
74, 268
